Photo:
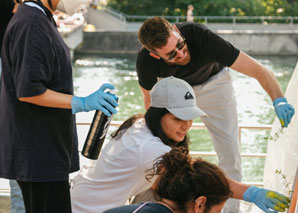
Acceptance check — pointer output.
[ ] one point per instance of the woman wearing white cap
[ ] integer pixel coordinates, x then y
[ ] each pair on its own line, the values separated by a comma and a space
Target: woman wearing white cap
120, 171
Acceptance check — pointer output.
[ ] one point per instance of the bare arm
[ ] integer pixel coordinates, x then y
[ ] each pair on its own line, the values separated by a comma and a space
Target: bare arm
237, 189
249, 66
50, 98
146, 96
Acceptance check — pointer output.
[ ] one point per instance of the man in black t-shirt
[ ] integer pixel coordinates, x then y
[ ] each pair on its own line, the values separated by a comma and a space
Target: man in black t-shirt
192, 52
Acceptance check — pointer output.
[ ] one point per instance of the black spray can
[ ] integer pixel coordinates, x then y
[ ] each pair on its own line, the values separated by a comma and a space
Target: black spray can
96, 135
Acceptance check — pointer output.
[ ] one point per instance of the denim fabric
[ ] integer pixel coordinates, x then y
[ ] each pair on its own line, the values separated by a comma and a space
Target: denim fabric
16, 198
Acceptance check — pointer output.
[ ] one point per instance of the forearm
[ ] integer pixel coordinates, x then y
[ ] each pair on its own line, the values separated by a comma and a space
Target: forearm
146, 104
237, 189
269, 83
249, 66
50, 98
147, 98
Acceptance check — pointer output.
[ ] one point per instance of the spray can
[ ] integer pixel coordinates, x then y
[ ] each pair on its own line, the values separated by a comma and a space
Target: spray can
97, 134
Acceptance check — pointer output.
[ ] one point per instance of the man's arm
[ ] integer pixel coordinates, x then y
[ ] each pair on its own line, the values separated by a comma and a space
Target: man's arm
146, 96
265, 199
251, 67
237, 189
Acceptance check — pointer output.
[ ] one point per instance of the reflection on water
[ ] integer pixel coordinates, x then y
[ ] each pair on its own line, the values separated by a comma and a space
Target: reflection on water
254, 105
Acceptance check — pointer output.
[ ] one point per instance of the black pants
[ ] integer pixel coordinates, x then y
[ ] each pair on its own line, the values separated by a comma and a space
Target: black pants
46, 197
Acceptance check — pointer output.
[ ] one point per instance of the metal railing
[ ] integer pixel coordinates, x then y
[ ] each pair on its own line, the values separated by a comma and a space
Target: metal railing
205, 19
5, 192
223, 19
202, 126
210, 154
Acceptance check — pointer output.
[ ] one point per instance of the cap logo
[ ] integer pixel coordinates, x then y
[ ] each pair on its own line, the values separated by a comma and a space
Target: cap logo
188, 95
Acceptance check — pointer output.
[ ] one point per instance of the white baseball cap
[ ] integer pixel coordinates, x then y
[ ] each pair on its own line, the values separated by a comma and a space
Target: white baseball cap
177, 96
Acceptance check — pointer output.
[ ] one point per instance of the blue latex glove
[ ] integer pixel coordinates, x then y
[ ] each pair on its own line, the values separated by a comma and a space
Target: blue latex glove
99, 100
268, 201
284, 111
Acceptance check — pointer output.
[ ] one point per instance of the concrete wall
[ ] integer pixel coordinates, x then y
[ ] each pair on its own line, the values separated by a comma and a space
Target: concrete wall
252, 42
263, 43
103, 20
109, 42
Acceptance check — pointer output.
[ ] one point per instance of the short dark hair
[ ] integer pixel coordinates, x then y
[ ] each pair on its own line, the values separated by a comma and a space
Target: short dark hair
183, 179
155, 32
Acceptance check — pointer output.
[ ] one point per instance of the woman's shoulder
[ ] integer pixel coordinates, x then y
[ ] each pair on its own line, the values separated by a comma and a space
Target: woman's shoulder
140, 128
140, 134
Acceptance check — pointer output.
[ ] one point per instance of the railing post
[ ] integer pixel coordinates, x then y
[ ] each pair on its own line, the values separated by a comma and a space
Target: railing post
234, 20
262, 19
206, 20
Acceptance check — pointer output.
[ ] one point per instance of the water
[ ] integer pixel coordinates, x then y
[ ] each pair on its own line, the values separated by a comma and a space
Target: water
254, 105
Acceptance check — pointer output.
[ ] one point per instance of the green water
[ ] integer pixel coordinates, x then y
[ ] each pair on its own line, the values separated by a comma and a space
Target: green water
254, 105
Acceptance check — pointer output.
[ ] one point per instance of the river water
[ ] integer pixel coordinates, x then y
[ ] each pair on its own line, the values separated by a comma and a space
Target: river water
254, 105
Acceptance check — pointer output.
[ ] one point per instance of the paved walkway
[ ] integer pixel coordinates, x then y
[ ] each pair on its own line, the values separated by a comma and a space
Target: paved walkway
4, 204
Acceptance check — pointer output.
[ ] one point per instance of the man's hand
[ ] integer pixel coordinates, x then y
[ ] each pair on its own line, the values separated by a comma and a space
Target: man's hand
99, 100
284, 111
268, 201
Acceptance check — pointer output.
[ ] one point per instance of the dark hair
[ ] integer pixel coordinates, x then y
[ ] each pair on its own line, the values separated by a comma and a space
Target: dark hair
153, 121
183, 179
155, 32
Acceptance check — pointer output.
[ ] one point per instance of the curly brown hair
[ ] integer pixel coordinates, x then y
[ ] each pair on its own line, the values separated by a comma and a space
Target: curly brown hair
183, 179
155, 32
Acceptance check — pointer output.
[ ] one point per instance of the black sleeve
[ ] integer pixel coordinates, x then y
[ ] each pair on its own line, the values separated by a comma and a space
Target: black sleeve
32, 57
214, 47
147, 68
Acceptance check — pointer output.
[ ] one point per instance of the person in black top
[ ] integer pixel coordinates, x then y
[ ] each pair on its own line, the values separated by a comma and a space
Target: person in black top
192, 52
191, 185
8, 8
38, 143
183, 185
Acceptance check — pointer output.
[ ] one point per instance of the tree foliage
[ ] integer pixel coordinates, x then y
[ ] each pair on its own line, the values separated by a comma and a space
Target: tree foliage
207, 7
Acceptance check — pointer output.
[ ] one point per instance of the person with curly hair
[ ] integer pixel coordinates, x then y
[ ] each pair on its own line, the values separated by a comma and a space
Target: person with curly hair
184, 185
121, 169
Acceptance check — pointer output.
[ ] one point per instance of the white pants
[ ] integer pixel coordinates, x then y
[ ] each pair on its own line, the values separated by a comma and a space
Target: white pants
216, 98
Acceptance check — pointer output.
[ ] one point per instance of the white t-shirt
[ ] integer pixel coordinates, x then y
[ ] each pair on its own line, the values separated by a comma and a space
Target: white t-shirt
120, 171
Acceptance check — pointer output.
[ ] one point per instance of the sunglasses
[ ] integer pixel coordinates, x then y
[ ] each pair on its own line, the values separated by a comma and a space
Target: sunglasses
179, 46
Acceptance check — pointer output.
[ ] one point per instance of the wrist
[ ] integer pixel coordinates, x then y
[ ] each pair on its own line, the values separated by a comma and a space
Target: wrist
279, 100
77, 104
250, 194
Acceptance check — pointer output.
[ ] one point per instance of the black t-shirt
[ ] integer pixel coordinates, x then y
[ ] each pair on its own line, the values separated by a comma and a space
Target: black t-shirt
148, 208
6, 7
209, 54
37, 144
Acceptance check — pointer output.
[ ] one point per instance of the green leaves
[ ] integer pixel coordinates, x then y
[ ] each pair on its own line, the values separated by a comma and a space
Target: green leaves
207, 7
